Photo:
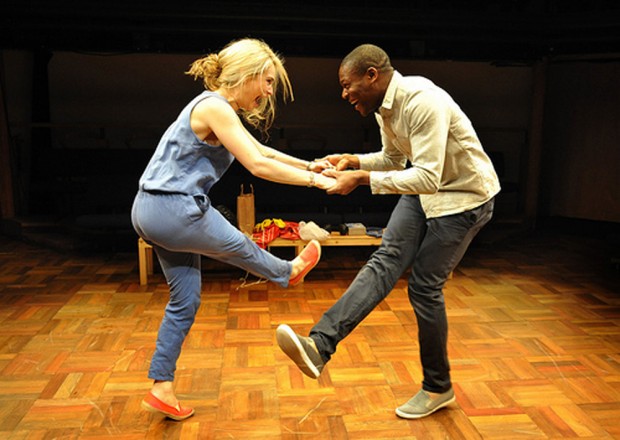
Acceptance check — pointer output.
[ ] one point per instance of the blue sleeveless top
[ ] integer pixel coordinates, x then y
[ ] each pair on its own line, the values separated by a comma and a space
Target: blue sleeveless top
182, 163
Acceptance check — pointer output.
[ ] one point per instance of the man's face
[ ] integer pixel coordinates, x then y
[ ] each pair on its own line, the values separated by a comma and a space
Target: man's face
360, 90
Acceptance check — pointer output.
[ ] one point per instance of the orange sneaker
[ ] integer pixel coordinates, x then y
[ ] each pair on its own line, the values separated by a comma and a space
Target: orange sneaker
310, 255
153, 404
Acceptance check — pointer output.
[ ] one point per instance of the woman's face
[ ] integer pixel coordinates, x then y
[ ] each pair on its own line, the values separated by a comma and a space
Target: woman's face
257, 88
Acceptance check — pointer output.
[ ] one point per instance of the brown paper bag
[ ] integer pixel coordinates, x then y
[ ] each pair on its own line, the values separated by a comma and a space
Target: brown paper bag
245, 211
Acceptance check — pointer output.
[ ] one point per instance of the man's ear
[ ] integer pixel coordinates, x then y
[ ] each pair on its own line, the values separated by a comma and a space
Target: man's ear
372, 73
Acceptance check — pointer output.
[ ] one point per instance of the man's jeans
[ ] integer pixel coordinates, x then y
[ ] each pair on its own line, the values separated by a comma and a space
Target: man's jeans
431, 248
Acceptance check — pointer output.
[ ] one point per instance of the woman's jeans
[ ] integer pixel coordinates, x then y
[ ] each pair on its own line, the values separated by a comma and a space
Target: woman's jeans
181, 228
431, 248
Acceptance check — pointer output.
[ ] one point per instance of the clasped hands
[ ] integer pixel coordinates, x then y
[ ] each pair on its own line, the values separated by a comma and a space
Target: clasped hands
342, 171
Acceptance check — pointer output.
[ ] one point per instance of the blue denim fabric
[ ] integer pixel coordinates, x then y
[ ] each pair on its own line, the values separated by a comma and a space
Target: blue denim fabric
431, 248
181, 228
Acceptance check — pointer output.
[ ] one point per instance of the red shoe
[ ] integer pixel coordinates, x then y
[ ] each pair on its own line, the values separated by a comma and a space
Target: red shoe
153, 404
311, 256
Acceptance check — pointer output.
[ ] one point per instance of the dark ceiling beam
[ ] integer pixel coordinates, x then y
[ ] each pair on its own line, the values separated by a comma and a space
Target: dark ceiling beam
516, 30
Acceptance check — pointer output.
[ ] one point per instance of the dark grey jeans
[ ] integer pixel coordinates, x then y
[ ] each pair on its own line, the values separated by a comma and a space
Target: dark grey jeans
431, 248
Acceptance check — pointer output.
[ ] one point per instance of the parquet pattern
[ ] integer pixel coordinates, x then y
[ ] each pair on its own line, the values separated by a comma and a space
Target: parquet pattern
534, 345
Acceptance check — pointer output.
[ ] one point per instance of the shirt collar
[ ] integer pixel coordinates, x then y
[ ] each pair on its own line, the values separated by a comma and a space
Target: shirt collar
388, 99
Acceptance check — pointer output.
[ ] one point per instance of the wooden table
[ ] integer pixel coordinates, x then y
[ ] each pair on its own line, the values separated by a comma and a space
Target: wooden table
145, 250
335, 239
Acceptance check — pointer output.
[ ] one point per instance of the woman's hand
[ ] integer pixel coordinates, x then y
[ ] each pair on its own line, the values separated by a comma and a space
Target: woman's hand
323, 182
342, 162
320, 165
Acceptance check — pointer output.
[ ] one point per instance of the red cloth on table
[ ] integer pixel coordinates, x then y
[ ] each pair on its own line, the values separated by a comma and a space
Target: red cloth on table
270, 229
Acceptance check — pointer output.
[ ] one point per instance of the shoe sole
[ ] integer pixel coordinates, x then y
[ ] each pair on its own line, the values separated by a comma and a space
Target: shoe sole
405, 415
291, 346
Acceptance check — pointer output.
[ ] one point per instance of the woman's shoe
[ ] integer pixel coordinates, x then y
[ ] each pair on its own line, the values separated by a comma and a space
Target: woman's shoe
310, 255
153, 404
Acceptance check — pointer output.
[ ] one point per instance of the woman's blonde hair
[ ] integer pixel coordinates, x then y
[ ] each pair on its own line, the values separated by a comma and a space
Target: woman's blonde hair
239, 61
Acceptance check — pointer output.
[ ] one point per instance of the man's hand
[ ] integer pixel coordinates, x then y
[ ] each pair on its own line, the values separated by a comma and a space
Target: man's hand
347, 181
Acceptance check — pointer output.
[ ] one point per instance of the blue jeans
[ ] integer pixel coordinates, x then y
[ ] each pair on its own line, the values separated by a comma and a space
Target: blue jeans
431, 248
181, 228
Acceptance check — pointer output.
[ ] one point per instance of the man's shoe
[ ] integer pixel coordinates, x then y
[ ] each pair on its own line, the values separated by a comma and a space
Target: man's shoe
310, 255
422, 405
301, 350
153, 404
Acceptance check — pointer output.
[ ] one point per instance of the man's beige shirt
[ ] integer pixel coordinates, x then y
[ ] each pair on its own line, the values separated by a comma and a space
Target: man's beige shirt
422, 124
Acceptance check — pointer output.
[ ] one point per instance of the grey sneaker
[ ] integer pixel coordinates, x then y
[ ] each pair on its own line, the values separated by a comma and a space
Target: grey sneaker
301, 350
422, 405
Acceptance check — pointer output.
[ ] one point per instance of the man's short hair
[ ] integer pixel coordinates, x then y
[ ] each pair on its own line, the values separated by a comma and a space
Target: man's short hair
360, 59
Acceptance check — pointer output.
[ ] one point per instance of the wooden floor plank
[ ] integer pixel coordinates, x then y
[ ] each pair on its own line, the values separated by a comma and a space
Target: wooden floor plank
534, 346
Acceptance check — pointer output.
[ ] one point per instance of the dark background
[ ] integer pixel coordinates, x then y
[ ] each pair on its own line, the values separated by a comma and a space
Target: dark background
87, 88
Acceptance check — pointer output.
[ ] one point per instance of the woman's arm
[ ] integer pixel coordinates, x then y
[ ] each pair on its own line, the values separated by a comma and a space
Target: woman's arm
213, 115
316, 165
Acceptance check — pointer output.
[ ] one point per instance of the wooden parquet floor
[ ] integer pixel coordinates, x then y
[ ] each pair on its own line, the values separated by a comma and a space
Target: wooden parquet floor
534, 345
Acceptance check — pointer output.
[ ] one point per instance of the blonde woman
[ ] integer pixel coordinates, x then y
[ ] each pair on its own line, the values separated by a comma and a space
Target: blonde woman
172, 210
